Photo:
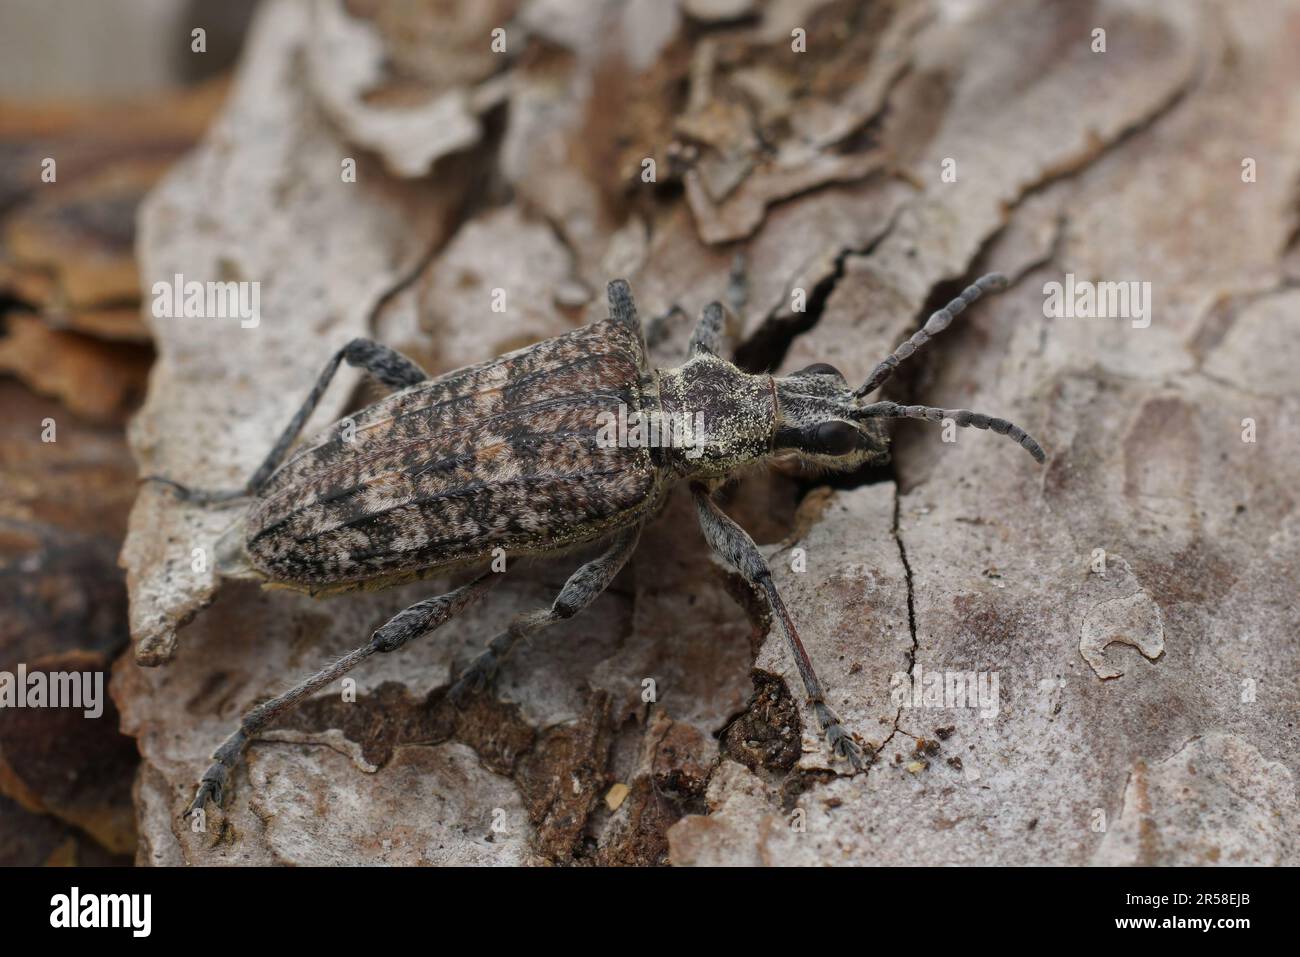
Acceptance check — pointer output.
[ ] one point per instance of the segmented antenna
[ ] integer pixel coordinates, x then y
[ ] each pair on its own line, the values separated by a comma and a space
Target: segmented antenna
993, 282
963, 417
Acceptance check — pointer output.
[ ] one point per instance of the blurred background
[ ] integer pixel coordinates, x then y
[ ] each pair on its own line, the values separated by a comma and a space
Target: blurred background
388, 167
111, 90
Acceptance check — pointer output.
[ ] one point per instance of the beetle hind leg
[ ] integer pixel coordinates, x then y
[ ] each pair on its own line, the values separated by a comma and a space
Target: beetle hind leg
421, 618
197, 496
387, 365
583, 587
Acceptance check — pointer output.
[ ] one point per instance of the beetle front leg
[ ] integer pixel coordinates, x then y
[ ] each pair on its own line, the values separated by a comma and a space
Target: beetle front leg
710, 334
387, 365
583, 587
420, 619
733, 544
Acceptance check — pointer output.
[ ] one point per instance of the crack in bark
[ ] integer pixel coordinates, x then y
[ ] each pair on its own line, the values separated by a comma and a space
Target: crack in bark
911, 619
767, 346
1218, 320
773, 338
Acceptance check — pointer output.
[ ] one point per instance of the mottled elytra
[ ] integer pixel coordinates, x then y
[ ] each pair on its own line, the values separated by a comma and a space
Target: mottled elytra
509, 454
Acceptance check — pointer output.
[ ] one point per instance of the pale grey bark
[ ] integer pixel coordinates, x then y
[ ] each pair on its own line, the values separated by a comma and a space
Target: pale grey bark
1143, 715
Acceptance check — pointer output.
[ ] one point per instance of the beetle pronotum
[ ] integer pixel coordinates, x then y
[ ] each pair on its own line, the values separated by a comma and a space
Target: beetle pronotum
505, 455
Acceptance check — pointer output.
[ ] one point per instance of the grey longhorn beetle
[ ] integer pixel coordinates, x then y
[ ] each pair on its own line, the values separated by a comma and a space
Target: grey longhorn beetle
506, 455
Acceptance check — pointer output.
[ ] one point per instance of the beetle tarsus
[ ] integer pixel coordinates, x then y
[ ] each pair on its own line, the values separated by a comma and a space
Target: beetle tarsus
216, 779
840, 741
475, 679
197, 496
208, 790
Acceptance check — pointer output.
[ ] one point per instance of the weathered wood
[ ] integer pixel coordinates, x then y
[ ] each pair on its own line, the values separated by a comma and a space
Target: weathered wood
1144, 714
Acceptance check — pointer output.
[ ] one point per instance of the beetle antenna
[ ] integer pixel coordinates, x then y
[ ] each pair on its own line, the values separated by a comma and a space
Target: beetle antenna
963, 417
993, 282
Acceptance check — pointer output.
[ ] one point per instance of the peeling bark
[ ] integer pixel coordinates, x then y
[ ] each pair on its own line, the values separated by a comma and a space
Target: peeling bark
825, 170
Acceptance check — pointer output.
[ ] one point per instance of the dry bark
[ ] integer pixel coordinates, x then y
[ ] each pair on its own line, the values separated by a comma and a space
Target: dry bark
72, 333
1124, 731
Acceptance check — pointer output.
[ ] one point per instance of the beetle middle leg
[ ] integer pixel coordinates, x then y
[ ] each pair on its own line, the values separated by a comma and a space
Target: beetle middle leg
733, 544
420, 619
387, 365
582, 588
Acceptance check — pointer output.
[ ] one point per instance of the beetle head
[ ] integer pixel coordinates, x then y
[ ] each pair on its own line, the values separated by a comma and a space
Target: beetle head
821, 425
823, 421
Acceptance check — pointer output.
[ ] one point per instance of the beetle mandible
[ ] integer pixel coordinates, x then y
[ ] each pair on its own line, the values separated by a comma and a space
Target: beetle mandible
507, 455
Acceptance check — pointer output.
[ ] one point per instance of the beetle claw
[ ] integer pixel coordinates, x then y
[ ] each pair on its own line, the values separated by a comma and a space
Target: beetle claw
212, 787
475, 679
843, 746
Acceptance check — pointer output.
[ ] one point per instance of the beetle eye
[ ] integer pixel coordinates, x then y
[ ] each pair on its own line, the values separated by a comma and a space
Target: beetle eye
821, 368
835, 438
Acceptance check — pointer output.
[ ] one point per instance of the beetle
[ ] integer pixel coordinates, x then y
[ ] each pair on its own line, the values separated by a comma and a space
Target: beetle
507, 457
